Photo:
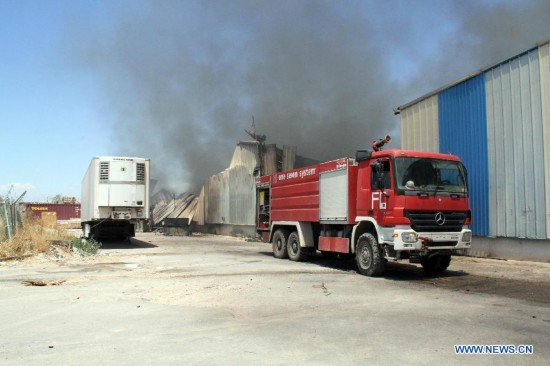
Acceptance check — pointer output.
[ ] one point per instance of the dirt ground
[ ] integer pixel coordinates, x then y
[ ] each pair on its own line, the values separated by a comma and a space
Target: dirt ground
219, 300
522, 280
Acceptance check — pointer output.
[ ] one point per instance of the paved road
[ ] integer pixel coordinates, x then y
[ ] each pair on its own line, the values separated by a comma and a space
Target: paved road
205, 300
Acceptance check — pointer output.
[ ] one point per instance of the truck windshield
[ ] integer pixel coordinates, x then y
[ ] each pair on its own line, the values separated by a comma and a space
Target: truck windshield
430, 175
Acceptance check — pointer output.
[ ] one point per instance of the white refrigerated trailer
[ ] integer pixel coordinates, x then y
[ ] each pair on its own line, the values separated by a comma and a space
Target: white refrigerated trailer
115, 197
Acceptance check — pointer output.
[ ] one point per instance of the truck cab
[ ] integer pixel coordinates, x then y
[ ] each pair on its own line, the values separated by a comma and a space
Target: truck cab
418, 202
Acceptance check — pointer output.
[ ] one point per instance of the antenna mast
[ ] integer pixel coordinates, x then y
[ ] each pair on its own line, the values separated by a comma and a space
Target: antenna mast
261, 144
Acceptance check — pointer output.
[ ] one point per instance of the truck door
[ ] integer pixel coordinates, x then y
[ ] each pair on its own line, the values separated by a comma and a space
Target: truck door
381, 189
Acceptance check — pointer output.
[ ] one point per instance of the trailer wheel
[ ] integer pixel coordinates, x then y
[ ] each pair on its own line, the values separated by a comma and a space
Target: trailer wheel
369, 256
295, 251
279, 244
435, 264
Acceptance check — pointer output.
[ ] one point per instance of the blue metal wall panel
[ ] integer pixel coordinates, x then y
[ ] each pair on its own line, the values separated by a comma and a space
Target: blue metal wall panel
463, 132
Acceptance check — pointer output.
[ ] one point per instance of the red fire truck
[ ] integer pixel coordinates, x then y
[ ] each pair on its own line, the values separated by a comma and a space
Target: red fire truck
381, 205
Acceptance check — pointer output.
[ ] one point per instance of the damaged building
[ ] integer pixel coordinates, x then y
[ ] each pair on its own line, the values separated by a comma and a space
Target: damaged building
227, 201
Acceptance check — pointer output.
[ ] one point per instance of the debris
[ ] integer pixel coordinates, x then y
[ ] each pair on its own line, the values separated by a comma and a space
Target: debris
322, 287
60, 251
167, 205
42, 283
14, 258
62, 243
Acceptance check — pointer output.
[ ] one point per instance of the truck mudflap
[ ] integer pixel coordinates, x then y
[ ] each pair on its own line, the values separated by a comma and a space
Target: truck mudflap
411, 240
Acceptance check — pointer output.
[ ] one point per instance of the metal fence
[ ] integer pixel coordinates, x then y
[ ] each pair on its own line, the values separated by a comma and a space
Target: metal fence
10, 216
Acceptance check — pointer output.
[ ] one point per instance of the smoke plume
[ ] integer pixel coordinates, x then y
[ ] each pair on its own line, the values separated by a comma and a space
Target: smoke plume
185, 78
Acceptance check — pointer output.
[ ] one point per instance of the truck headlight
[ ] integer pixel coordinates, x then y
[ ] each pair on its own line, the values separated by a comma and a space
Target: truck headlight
467, 236
409, 237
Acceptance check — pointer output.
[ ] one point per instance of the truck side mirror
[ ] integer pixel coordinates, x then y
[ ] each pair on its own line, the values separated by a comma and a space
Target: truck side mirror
378, 168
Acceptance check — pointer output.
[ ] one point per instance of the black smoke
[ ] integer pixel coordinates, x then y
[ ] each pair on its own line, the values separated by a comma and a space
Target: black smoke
184, 78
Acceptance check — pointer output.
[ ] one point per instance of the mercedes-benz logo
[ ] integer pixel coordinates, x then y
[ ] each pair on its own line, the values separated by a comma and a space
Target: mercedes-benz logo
440, 218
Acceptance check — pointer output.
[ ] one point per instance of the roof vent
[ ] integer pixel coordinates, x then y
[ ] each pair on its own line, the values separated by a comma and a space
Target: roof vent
140, 172
104, 171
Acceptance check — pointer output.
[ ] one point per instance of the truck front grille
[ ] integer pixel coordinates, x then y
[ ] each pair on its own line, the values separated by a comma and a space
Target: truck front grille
436, 221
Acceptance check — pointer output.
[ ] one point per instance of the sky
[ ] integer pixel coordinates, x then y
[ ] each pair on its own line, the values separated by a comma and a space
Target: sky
179, 81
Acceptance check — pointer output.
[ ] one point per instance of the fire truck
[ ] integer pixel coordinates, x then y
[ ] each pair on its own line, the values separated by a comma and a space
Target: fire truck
382, 205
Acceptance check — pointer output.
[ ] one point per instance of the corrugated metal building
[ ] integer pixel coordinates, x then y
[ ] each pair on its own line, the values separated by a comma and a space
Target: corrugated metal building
498, 121
227, 202
228, 198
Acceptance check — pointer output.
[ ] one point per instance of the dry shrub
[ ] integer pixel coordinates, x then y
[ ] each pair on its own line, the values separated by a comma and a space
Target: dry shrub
31, 238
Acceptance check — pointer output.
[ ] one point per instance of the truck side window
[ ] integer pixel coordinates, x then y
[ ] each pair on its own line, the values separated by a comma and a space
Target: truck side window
384, 173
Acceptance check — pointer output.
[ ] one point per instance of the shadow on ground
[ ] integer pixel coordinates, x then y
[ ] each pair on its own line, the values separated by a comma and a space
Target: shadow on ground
452, 279
133, 243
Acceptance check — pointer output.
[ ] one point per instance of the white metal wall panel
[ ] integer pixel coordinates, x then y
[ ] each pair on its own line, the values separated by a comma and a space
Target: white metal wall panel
224, 197
211, 200
242, 196
515, 144
420, 126
245, 154
102, 196
333, 192
230, 196
216, 199
544, 60
198, 216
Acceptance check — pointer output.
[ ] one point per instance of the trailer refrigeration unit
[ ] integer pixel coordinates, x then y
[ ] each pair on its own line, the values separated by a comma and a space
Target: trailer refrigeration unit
115, 197
379, 206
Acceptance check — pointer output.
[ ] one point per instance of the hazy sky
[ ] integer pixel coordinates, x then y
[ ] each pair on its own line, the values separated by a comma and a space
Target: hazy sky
178, 81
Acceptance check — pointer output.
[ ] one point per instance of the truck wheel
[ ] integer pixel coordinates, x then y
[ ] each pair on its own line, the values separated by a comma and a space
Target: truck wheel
295, 251
279, 244
435, 264
369, 256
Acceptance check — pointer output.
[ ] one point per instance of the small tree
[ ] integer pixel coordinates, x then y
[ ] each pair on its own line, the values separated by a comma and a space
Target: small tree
58, 198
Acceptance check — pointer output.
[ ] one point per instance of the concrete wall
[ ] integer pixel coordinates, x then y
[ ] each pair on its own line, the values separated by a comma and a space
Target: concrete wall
511, 248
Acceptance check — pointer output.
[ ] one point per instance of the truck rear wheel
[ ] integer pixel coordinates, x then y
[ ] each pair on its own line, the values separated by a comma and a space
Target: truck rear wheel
435, 264
295, 251
279, 244
369, 256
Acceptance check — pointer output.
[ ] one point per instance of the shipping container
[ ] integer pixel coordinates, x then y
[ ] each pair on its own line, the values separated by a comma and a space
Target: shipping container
64, 211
